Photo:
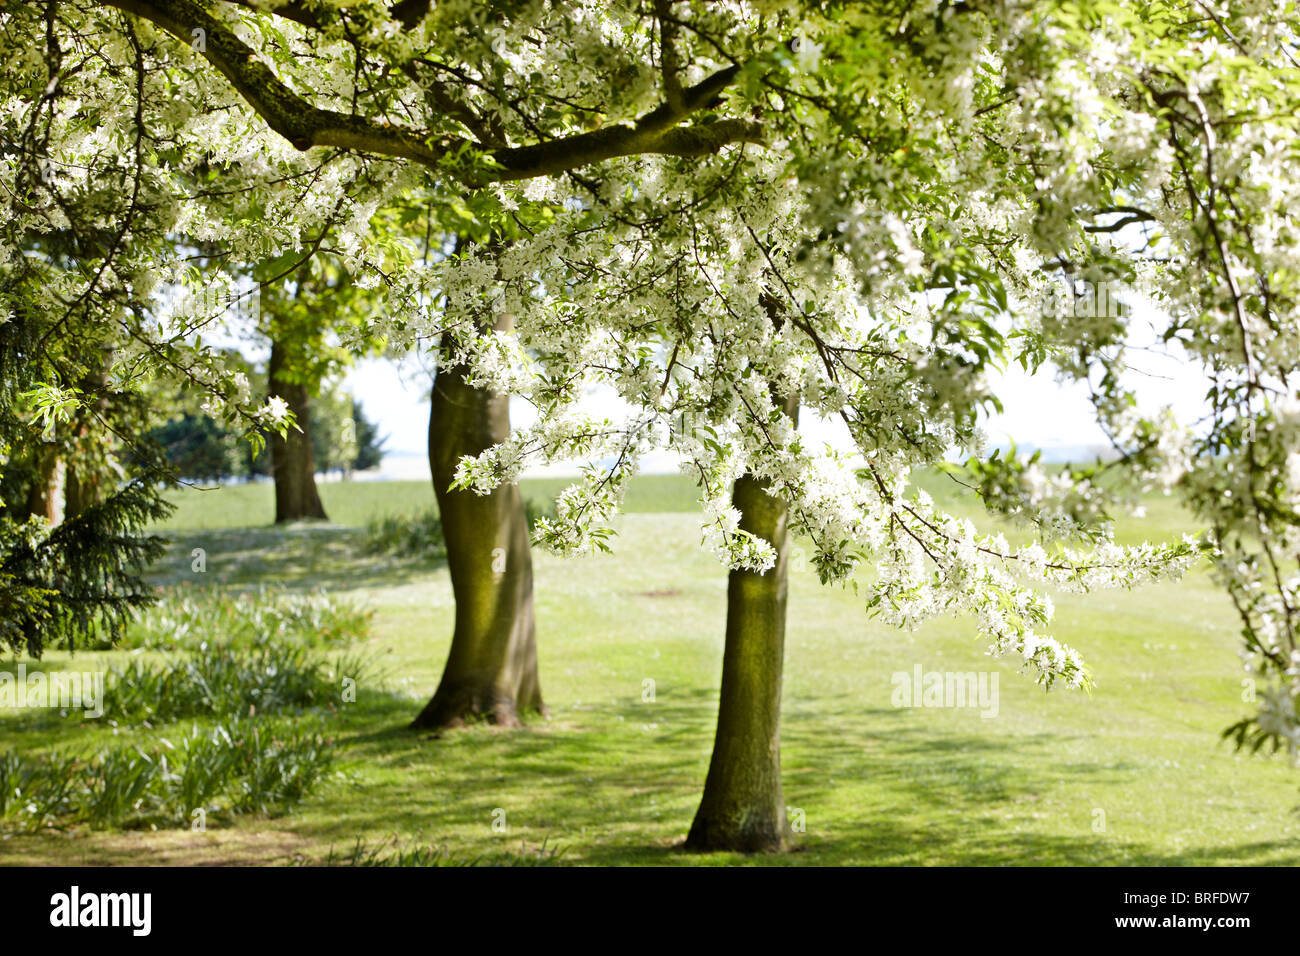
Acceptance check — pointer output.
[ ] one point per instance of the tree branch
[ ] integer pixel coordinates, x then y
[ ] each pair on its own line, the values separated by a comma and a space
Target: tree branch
304, 125
406, 12
668, 61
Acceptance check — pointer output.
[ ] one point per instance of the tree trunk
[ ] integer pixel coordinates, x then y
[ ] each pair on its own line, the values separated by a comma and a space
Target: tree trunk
292, 466
78, 495
743, 808
491, 671
84, 487
45, 494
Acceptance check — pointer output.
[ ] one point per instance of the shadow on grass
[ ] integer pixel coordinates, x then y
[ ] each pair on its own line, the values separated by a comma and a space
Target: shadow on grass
44, 665
591, 784
21, 726
298, 557
620, 784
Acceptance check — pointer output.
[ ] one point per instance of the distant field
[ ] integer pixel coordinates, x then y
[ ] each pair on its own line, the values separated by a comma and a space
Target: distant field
1134, 774
355, 503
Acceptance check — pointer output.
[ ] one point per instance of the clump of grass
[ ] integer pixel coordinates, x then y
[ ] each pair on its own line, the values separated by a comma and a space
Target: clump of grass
234, 768
535, 510
37, 790
317, 618
278, 772
116, 786
421, 536
227, 656
187, 619
226, 680
410, 537
424, 855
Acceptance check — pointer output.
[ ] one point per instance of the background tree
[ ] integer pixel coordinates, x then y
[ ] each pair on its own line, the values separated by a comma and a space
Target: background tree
65, 573
303, 318
292, 465
197, 447
370, 444
293, 322
343, 439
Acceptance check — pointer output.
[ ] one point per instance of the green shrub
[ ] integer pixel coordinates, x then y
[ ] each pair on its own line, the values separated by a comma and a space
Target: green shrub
226, 680
226, 655
201, 771
185, 620
277, 769
38, 790
117, 786
533, 510
420, 536
238, 767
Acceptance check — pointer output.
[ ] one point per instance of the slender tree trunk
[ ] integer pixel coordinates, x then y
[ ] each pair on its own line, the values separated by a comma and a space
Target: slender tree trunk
491, 671
743, 808
78, 495
292, 466
84, 487
44, 495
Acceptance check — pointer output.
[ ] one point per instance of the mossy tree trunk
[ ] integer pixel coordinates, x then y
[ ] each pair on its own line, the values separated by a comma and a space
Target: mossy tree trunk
743, 807
292, 463
491, 670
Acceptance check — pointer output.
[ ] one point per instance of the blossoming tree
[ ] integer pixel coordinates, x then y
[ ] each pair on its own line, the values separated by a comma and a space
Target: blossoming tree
725, 212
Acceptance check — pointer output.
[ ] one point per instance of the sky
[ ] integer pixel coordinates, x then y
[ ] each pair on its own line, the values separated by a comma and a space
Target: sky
1038, 411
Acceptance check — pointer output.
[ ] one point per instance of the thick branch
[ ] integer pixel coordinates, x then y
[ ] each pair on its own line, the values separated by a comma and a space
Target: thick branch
305, 126
668, 53
406, 12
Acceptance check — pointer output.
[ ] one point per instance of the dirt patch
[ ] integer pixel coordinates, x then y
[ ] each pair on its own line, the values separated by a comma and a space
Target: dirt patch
226, 847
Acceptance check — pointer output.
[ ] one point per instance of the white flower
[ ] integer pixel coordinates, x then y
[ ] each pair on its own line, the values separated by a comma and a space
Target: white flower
275, 410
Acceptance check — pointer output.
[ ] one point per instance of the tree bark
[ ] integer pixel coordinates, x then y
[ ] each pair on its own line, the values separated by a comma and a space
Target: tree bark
78, 495
491, 670
743, 807
44, 495
84, 487
292, 465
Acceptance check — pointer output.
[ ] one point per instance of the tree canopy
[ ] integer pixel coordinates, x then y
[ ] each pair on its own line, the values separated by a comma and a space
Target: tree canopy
711, 207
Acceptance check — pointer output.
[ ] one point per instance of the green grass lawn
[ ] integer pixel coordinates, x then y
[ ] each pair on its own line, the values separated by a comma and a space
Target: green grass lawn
356, 502
610, 779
